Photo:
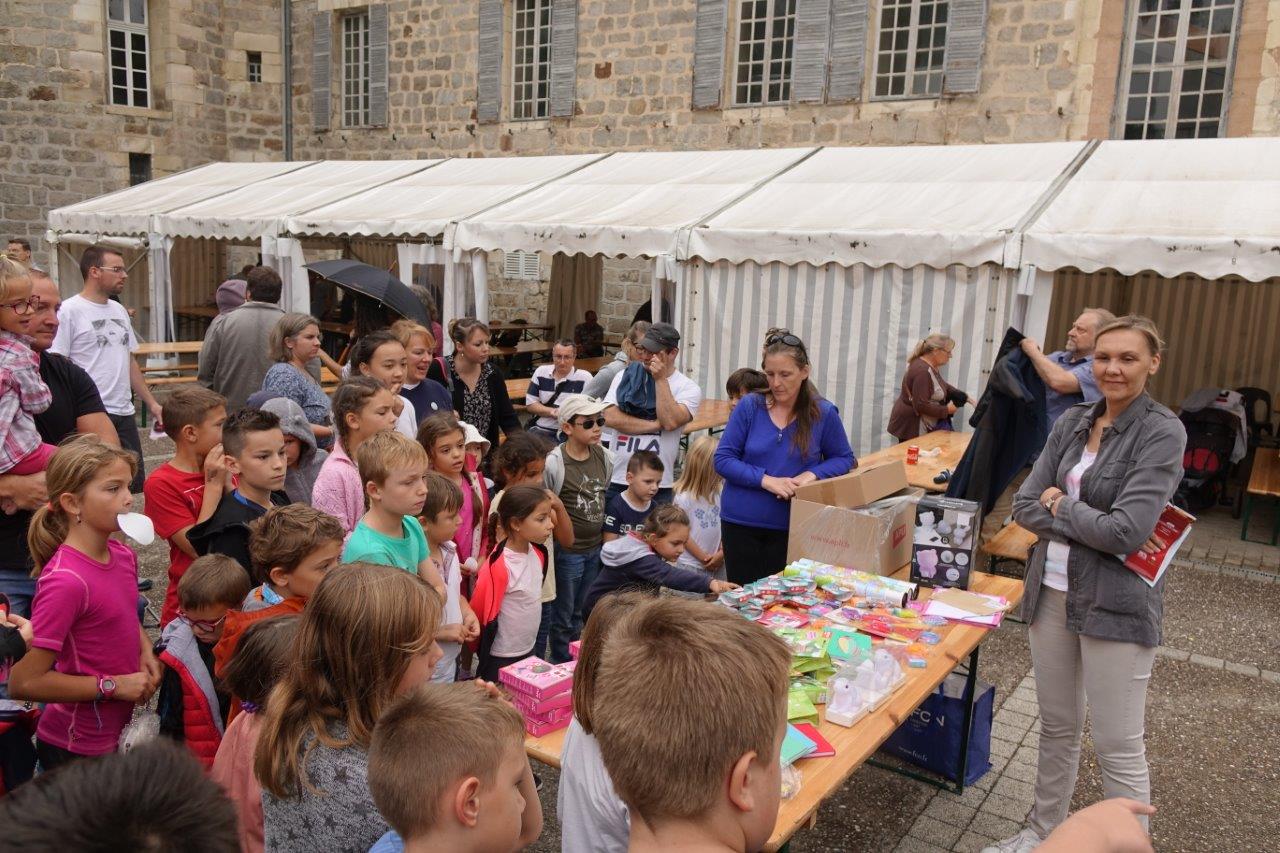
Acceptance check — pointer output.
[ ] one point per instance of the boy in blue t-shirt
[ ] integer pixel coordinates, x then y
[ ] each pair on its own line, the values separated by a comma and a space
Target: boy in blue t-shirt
393, 469
627, 511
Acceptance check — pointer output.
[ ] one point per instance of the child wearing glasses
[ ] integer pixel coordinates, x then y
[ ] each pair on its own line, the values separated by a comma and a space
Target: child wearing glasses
578, 471
23, 393
192, 706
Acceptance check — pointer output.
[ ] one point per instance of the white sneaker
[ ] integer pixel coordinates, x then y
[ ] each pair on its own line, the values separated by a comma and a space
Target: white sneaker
1023, 842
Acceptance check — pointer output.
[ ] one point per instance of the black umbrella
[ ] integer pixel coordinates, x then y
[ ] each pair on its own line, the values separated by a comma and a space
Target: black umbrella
376, 284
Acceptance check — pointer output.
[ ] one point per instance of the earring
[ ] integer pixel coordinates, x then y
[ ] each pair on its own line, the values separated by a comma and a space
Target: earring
77, 518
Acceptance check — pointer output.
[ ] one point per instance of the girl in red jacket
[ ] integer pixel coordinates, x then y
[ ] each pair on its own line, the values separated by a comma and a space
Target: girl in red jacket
508, 594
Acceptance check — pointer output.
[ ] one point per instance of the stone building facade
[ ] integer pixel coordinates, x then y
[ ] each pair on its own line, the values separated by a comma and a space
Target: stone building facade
430, 78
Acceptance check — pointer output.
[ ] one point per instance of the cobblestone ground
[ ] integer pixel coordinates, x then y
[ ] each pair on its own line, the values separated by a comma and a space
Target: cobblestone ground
1213, 708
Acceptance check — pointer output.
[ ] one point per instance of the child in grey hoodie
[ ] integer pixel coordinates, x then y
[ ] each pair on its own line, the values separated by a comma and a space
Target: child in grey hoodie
304, 457
643, 561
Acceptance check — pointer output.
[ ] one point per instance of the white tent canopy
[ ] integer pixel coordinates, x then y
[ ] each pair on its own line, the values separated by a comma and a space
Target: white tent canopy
934, 205
426, 202
1204, 206
257, 208
130, 211
633, 204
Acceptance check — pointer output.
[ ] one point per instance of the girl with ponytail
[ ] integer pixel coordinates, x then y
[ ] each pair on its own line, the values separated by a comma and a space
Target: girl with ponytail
89, 660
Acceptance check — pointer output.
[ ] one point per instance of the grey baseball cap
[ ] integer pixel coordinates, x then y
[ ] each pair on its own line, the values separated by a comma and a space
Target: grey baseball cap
661, 336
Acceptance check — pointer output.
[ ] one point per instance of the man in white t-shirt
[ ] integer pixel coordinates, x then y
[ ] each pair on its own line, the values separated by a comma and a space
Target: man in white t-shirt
95, 333
677, 398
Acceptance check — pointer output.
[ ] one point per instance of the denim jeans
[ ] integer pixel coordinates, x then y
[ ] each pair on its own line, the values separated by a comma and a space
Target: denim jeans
574, 575
20, 587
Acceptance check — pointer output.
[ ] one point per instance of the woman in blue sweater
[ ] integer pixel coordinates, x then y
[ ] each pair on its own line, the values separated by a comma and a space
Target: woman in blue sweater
776, 441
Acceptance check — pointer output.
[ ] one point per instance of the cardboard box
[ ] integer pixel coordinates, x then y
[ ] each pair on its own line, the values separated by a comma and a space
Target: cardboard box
945, 541
826, 525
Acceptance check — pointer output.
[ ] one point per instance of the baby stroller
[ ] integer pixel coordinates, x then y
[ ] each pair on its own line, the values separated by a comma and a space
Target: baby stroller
1206, 463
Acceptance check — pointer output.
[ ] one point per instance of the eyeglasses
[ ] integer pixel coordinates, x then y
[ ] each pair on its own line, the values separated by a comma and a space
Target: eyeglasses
202, 624
24, 306
117, 270
782, 336
588, 423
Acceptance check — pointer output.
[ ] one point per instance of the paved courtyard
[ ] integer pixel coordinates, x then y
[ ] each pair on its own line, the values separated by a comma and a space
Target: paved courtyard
1213, 711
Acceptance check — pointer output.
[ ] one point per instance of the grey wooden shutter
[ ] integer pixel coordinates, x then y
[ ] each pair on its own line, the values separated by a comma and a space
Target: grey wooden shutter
564, 55
378, 35
848, 46
809, 53
489, 83
711, 25
966, 33
321, 68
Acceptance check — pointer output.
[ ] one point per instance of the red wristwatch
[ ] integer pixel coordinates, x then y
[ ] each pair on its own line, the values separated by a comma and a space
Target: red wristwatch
106, 687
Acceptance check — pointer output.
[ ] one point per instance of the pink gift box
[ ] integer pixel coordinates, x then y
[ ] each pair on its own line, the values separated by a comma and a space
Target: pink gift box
541, 725
575, 649
530, 707
536, 678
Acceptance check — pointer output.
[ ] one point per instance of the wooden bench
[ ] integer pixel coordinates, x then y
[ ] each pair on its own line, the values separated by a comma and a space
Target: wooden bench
1264, 484
1013, 542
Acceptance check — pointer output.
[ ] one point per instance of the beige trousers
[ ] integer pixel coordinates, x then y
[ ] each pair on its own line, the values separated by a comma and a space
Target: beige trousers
1107, 677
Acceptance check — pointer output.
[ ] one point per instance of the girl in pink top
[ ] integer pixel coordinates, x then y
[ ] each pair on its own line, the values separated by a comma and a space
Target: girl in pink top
362, 406
259, 661
442, 436
89, 660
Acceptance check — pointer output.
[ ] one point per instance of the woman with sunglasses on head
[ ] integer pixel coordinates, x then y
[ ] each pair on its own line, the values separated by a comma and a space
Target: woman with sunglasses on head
1097, 491
776, 441
926, 402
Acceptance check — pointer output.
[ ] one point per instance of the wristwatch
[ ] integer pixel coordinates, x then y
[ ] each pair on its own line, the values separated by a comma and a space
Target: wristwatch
106, 687
1051, 503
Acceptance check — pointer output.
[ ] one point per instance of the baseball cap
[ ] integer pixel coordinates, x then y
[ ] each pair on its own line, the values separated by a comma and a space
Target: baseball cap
572, 405
661, 336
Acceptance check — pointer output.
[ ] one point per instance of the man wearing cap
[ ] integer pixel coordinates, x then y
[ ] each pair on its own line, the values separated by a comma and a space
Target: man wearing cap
579, 472
677, 398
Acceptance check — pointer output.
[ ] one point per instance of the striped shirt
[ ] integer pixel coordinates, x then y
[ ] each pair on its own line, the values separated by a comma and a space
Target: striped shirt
23, 395
544, 385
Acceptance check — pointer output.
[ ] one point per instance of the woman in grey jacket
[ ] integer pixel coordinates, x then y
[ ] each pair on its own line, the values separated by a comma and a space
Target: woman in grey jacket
1096, 492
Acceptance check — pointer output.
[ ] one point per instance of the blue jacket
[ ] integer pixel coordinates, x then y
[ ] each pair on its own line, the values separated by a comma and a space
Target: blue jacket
752, 447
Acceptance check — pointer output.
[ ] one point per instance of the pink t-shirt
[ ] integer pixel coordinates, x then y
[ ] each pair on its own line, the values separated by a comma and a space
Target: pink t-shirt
338, 490
86, 612
233, 770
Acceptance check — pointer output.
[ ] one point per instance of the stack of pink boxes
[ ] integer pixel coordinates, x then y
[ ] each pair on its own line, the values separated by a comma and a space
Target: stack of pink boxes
542, 692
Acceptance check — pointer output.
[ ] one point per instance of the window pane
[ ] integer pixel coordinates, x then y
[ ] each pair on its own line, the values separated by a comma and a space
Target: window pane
138, 11
115, 10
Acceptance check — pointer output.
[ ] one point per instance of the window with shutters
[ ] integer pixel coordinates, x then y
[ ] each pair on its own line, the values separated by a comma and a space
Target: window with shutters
911, 48
531, 59
128, 53
518, 264
356, 71
766, 42
1178, 69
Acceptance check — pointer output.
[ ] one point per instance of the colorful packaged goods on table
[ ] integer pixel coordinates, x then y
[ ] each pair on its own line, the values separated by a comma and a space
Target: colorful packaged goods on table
542, 692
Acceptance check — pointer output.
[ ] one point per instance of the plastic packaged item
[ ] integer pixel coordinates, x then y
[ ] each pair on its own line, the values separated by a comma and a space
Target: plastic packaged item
536, 678
144, 729
792, 779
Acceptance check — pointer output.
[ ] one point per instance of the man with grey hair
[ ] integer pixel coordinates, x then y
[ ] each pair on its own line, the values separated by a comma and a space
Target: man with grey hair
1068, 373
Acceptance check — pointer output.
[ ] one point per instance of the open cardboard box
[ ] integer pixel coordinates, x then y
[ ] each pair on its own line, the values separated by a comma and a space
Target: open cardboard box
826, 527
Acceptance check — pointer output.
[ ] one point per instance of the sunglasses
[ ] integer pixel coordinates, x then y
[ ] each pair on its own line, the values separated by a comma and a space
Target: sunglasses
202, 624
588, 423
785, 338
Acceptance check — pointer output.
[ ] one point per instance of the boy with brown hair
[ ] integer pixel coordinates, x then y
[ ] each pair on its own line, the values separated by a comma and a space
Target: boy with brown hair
441, 518
255, 455
191, 706
292, 548
186, 490
703, 773
393, 469
448, 771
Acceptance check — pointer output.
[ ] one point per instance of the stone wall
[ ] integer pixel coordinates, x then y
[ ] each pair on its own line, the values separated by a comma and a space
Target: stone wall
60, 139
635, 78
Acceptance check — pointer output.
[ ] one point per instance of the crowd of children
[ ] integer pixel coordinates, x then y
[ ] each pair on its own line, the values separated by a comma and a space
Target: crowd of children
310, 648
